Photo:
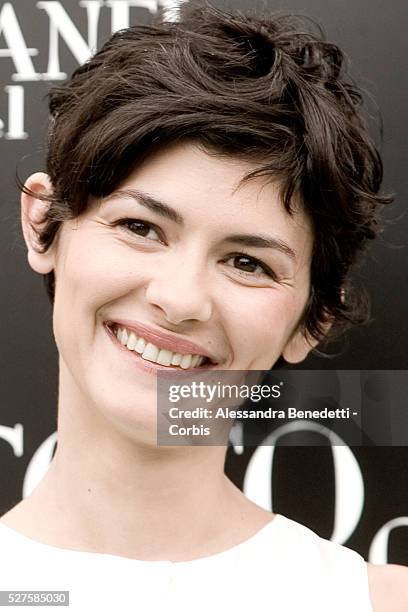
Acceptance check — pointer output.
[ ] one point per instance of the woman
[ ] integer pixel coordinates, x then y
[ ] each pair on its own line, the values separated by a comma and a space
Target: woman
210, 184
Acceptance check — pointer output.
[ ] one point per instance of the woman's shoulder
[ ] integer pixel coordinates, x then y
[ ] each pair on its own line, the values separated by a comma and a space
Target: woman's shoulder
309, 546
388, 587
326, 571
309, 568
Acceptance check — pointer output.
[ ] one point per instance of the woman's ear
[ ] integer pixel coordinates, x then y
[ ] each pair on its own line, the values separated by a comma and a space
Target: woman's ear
301, 343
33, 221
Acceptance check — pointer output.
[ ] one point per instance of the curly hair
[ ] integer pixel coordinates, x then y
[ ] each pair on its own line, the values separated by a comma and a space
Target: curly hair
270, 90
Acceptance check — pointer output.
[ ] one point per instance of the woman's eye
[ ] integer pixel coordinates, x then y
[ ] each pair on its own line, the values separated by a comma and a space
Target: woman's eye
251, 266
140, 228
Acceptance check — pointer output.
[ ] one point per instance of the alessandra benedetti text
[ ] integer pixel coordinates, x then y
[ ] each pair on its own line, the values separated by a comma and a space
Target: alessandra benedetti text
269, 413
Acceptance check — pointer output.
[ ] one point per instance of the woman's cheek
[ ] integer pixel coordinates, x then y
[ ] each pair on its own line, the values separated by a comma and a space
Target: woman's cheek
260, 321
99, 266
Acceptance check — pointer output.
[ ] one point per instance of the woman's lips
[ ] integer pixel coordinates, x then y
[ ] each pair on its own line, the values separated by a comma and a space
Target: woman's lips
163, 339
150, 366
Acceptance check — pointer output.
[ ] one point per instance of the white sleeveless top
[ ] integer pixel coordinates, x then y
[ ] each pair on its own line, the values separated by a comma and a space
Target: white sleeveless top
284, 567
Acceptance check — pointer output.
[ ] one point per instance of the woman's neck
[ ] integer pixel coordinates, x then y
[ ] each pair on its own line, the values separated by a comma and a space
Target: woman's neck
176, 505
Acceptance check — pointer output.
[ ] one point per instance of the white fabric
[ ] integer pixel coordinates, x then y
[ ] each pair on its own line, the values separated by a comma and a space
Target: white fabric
285, 567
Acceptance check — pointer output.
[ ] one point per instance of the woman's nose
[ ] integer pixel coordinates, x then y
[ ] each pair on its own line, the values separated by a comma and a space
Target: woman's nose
181, 293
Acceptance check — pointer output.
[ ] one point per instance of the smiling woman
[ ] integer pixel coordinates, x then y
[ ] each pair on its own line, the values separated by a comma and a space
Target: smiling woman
210, 185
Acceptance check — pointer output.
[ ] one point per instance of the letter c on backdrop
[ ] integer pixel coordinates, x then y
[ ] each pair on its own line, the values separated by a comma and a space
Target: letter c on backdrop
348, 479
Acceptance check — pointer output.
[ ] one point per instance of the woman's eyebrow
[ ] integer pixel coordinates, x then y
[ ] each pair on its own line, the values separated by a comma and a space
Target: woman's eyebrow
259, 241
262, 242
149, 202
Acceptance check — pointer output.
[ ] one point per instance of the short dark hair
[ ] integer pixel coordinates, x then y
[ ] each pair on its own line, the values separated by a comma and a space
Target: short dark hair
270, 90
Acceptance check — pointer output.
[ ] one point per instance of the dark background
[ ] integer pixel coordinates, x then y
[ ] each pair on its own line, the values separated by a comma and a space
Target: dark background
373, 34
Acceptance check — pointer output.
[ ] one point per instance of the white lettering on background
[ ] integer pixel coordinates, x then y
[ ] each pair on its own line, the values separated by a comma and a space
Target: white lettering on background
16, 49
15, 130
39, 464
120, 11
61, 25
14, 436
378, 552
349, 484
61, 28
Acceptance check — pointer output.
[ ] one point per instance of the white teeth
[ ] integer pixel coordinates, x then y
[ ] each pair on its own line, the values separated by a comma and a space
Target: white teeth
150, 352
186, 361
140, 346
124, 337
195, 360
131, 343
164, 357
176, 360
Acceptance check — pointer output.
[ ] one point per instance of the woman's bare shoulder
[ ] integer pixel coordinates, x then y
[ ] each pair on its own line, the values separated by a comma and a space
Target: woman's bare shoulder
388, 587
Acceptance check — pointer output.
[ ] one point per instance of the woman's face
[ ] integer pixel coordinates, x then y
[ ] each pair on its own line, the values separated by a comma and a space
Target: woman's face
180, 249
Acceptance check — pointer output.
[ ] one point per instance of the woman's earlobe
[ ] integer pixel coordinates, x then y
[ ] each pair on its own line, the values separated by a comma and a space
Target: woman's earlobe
34, 220
298, 348
301, 343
